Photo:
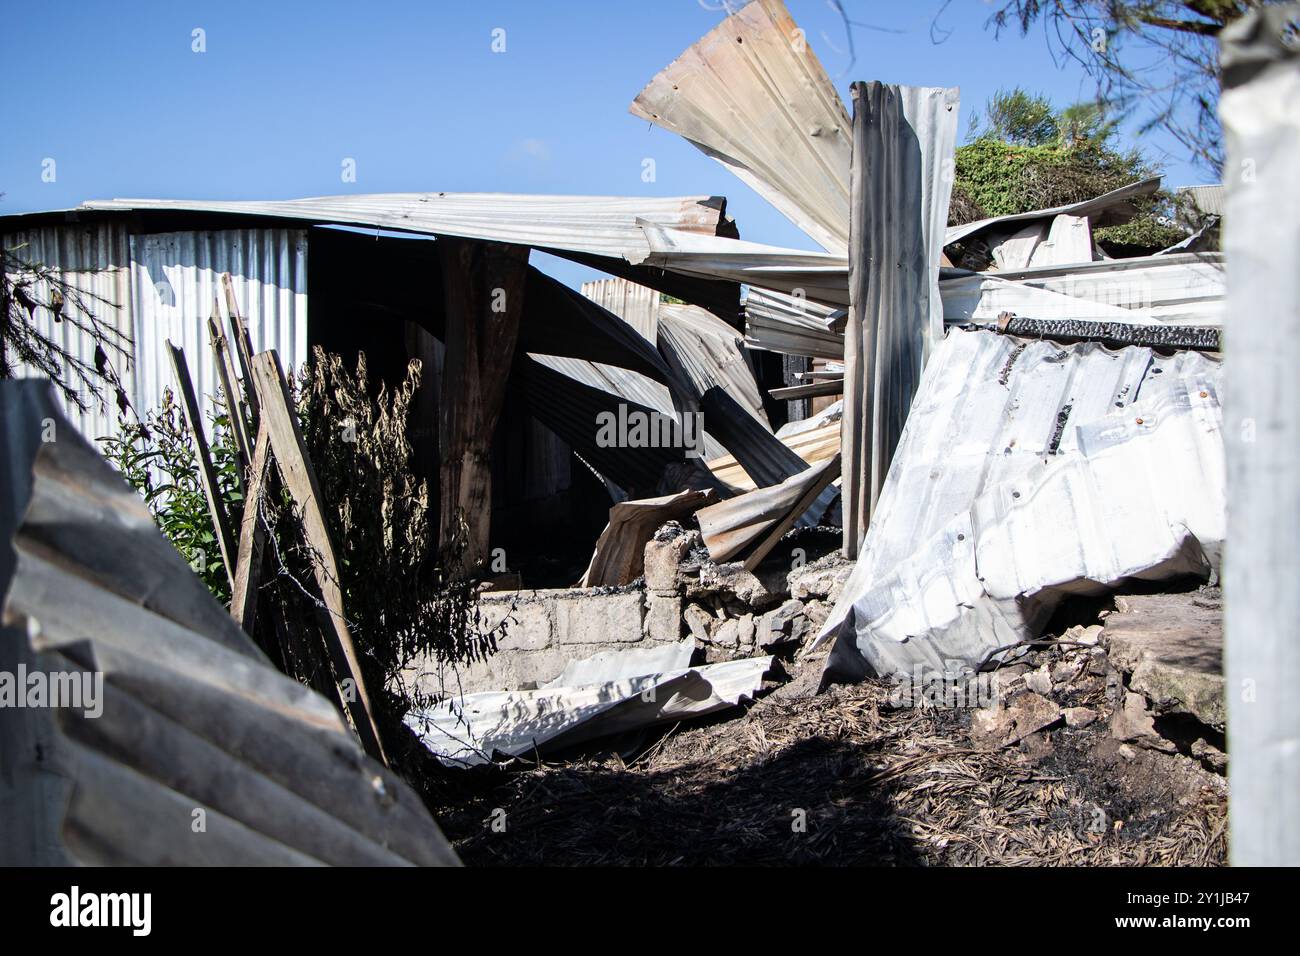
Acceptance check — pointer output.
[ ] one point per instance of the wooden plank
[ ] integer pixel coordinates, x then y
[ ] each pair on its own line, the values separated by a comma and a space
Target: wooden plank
252, 538
207, 473
243, 349
233, 394
830, 472
294, 464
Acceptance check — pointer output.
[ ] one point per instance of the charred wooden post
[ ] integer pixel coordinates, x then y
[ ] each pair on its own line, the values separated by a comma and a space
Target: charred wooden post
483, 293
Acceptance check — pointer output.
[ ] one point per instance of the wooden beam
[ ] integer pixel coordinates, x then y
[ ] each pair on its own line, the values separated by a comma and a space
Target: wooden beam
202, 454
230, 387
252, 538
294, 464
483, 290
243, 348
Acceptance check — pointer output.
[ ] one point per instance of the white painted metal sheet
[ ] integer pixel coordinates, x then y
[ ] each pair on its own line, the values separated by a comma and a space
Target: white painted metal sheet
176, 281
93, 258
1028, 470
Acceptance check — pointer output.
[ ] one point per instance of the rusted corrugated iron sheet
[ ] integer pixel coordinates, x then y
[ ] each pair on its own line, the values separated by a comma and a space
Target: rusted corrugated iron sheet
753, 95
201, 752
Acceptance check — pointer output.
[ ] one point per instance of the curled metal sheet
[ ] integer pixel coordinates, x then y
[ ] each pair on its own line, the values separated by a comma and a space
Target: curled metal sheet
722, 95
1029, 470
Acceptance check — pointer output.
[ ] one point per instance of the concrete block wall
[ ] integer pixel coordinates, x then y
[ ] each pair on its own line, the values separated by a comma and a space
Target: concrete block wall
552, 627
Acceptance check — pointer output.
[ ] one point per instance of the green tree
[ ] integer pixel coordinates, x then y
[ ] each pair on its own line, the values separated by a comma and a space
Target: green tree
1155, 60
1027, 155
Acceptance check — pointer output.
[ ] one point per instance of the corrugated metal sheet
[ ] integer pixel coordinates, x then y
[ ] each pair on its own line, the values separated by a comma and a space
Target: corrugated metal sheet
595, 225
635, 304
821, 276
191, 714
176, 279
707, 352
753, 95
903, 141
608, 693
1208, 200
1179, 288
1028, 470
1261, 123
777, 322
567, 394
1106, 209
94, 259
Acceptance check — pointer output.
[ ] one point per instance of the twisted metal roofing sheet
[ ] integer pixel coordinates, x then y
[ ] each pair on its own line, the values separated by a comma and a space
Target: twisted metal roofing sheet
1026, 470
753, 95
596, 225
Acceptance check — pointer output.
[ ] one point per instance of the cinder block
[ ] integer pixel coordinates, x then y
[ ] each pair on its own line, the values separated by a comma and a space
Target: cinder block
600, 618
530, 627
663, 618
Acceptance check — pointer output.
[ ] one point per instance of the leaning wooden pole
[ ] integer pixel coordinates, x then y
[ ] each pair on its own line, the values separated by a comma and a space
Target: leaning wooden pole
1260, 110
289, 451
203, 455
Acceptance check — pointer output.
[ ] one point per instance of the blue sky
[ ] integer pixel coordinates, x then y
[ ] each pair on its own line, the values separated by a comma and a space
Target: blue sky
412, 91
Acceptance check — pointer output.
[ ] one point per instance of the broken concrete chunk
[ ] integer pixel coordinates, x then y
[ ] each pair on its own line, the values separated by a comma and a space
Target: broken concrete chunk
822, 579
1039, 681
1027, 714
1133, 723
1171, 646
1079, 716
786, 624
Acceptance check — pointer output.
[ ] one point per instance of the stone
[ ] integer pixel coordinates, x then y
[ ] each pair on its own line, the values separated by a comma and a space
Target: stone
779, 626
823, 579
759, 591
728, 633
1133, 723
1088, 636
1171, 646
699, 621
1039, 681
1079, 716
1063, 672
1025, 714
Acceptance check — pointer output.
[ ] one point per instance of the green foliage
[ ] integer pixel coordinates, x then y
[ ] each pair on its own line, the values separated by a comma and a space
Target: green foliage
1055, 161
407, 604
1025, 119
156, 457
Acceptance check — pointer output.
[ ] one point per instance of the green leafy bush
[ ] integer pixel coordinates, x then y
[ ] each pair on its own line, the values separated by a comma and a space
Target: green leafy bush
156, 457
